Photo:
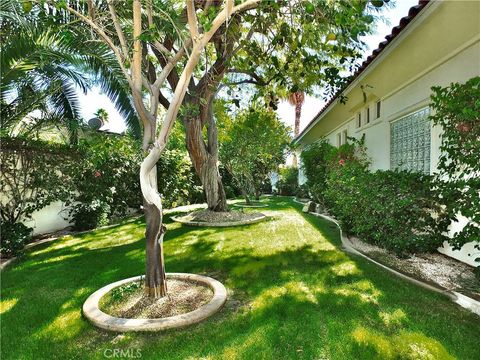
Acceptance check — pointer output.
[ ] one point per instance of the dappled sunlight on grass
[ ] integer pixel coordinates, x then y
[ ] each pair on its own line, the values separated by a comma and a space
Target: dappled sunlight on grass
346, 268
242, 347
65, 326
292, 294
403, 345
60, 258
393, 319
7, 304
362, 290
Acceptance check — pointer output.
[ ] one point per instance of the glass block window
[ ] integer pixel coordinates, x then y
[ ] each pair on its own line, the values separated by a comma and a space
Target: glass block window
410, 142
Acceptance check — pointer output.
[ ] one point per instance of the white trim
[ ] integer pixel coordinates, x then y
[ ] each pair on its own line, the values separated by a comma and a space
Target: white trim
369, 125
435, 65
419, 105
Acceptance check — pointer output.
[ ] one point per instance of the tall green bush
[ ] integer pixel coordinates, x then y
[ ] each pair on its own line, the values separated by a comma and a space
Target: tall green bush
314, 166
457, 111
255, 144
288, 181
392, 209
107, 181
177, 181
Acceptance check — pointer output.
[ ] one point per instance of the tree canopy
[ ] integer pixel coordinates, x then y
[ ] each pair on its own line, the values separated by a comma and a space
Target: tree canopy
255, 144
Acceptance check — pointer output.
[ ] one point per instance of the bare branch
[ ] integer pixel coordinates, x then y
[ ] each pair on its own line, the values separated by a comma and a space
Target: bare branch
149, 13
91, 9
118, 29
137, 46
105, 38
192, 20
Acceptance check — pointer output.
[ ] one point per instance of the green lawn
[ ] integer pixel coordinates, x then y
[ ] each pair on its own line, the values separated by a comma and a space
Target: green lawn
293, 294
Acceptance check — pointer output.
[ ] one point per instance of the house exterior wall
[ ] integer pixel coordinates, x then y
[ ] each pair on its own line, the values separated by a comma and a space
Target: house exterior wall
411, 98
439, 47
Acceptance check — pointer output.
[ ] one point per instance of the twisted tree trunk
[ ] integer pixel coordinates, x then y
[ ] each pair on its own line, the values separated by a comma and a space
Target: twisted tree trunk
155, 279
204, 155
143, 80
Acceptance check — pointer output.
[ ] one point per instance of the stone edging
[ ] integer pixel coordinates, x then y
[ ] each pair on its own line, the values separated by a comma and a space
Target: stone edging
7, 262
102, 320
249, 206
460, 299
218, 224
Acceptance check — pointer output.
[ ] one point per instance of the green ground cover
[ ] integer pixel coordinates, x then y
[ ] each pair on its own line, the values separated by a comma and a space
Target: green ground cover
293, 294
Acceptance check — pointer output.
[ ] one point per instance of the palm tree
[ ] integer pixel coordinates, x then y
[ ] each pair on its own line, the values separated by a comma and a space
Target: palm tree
41, 68
296, 99
102, 114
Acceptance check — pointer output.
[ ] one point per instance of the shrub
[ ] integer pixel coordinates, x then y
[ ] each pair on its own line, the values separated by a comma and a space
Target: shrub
457, 111
14, 238
177, 180
302, 191
314, 166
107, 181
288, 181
91, 215
392, 209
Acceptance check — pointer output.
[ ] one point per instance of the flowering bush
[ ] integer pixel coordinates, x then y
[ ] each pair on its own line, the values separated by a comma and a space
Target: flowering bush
392, 209
457, 111
107, 181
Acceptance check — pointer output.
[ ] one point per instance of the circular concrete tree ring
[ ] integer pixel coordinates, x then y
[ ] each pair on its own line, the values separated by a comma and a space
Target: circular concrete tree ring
249, 206
102, 320
218, 224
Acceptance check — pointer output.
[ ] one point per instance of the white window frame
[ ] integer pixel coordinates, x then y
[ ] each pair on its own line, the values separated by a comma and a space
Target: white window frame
378, 109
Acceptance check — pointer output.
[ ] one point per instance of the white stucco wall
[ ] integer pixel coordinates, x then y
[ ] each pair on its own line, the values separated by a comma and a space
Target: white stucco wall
467, 253
49, 219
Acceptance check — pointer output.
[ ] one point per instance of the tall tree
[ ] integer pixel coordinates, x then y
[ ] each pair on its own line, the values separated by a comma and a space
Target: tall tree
149, 22
281, 46
102, 114
177, 54
255, 146
296, 99
42, 65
